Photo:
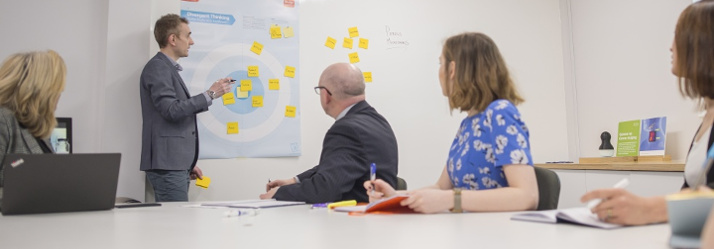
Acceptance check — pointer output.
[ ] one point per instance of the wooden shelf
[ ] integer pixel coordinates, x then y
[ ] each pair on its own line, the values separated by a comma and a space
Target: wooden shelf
623, 166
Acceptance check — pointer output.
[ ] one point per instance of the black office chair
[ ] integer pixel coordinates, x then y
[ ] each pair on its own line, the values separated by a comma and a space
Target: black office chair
401, 184
548, 188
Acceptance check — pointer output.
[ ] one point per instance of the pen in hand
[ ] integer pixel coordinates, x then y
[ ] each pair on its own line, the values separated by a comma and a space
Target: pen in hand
621, 184
372, 175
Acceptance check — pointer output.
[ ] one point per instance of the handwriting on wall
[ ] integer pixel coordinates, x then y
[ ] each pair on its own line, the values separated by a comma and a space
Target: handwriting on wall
395, 39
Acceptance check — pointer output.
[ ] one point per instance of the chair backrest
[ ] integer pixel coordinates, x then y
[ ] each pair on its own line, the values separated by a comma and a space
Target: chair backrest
401, 184
548, 188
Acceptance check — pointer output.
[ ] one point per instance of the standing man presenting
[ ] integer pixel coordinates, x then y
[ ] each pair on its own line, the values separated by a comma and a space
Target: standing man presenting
169, 138
359, 137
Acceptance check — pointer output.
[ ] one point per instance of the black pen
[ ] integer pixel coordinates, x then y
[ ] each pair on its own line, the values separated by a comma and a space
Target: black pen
233, 80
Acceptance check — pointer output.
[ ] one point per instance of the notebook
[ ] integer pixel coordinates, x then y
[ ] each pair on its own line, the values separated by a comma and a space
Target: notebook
48, 183
687, 214
579, 216
254, 204
384, 205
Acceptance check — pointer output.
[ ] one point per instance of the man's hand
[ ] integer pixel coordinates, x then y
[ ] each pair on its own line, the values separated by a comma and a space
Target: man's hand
196, 173
269, 194
278, 183
221, 86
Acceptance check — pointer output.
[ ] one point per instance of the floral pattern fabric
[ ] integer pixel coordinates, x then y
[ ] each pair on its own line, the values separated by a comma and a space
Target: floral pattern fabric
484, 143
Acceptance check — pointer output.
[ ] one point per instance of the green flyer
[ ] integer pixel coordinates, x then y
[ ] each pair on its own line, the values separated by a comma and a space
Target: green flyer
628, 138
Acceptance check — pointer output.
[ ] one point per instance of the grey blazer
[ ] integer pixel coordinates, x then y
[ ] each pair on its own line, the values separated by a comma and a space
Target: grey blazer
16, 140
169, 137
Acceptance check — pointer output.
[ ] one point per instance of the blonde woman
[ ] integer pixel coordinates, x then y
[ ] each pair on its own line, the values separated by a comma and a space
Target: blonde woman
489, 166
30, 87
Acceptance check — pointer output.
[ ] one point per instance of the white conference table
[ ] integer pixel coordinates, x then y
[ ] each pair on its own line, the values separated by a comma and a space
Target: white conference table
175, 226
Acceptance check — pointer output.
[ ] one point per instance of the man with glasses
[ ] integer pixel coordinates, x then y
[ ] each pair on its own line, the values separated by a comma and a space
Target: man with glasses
359, 137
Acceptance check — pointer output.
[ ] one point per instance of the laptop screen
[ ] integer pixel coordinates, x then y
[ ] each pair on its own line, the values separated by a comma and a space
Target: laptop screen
61, 138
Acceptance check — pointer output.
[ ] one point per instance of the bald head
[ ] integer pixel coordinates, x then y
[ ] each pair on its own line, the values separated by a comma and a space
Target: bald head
344, 80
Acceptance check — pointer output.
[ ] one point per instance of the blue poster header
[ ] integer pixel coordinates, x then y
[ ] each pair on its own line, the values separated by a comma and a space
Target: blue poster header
207, 17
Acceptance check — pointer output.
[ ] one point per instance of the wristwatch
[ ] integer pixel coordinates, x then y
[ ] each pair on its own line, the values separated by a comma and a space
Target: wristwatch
211, 94
457, 201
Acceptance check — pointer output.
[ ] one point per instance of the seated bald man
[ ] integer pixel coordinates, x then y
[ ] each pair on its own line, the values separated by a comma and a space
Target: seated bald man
359, 137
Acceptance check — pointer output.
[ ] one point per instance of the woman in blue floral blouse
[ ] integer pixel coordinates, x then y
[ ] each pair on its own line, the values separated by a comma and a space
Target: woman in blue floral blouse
490, 167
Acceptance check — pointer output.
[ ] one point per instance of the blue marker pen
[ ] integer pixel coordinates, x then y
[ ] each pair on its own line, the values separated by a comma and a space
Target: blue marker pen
320, 205
373, 174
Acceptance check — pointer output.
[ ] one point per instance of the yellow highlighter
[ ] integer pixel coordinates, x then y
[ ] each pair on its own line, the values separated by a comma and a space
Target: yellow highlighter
342, 204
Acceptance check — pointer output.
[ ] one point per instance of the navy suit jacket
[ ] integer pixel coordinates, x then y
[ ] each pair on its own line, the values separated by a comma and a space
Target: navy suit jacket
169, 137
355, 141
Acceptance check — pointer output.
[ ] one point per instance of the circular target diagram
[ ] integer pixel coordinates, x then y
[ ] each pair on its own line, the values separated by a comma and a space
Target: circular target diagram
255, 122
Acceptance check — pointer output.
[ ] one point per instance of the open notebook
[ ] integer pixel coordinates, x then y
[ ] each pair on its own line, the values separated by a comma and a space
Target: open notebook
385, 205
271, 203
579, 216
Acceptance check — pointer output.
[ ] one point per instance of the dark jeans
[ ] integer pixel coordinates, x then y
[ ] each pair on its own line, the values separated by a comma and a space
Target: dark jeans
169, 185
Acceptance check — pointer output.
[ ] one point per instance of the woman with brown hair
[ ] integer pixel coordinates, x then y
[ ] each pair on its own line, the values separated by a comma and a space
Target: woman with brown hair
489, 166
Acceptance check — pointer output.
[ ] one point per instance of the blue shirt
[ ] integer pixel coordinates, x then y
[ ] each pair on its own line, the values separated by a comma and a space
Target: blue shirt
484, 143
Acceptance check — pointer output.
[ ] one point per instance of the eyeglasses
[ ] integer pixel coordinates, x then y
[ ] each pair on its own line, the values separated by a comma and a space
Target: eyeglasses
317, 90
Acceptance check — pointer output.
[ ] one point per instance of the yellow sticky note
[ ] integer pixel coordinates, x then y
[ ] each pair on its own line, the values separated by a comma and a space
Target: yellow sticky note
353, 32
243, 94
288, 32
232, 127
246, 85
203, 182
257, 48
330, 43
367, 76
290, 71
354, 57
290, 111
347, 43
253, 71
363, 43
257, 101
274, 84
275, 32
228, 99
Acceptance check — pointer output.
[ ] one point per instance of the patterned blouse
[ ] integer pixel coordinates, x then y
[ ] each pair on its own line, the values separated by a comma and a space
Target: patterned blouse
484, 143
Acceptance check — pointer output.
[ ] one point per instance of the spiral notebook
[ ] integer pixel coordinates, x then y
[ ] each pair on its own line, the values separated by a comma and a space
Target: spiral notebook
578, 216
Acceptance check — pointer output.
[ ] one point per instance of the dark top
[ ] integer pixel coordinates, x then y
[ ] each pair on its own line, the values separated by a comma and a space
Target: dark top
355, 141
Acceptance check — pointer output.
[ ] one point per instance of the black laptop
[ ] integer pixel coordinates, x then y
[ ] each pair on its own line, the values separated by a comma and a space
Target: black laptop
48, 183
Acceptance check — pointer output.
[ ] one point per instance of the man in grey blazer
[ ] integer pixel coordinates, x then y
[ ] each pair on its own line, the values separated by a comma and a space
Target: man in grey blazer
169, 141
359, 137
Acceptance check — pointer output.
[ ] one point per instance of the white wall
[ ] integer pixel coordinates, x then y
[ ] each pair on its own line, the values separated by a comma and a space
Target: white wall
622, 70
127, 49
41, 25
